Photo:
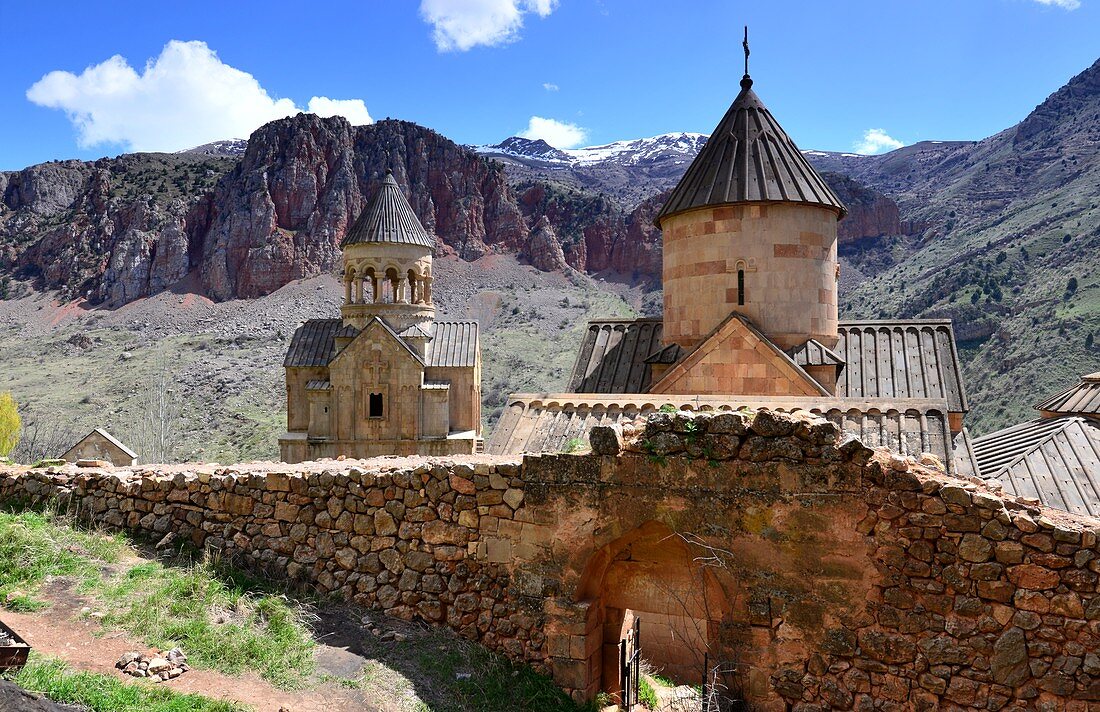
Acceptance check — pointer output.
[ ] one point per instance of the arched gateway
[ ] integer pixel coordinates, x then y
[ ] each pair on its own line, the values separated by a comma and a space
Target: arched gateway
673, 586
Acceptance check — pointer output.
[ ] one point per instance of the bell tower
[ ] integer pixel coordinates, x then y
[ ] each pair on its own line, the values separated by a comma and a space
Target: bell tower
388, 264
751, 228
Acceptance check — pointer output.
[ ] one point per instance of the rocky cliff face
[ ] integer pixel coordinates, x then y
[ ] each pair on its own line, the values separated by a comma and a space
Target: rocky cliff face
302, 181
870, 213
247, 223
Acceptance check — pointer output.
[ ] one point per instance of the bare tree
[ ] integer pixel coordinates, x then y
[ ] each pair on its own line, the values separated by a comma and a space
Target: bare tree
154, 429
44, 437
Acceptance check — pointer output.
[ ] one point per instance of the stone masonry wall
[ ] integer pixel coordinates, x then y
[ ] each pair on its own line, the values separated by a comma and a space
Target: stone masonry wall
401, 536
836, 577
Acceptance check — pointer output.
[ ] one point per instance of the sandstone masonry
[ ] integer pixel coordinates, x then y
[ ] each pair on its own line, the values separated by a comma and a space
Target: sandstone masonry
833, 577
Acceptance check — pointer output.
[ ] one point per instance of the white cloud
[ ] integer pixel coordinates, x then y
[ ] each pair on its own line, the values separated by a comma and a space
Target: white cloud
354, 110
184, 97
550, 86
558, 134
1064, 4
876, 141
463, 24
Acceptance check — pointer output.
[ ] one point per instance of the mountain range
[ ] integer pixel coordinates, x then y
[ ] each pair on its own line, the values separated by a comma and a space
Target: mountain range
1001, 235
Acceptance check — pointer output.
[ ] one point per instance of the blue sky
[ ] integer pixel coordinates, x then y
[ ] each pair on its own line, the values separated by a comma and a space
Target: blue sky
478, 71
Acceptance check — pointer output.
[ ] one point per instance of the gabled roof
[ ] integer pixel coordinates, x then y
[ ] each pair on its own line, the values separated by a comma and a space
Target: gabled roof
900, 359
1054, 460
111, 439
454, 344
749, 159
613, 356
388, 218
388, 330
813, 353
313, 344
883, 359
752, 347
1081, 398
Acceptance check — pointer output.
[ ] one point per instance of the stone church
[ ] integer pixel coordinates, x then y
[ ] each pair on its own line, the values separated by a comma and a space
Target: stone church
385, 378
751, 318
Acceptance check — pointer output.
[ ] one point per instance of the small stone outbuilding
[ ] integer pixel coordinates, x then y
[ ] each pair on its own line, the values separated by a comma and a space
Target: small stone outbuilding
101, 445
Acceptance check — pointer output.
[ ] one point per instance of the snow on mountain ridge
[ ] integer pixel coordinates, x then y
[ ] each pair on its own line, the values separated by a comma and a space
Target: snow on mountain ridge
640, 150
627, 152
227, 148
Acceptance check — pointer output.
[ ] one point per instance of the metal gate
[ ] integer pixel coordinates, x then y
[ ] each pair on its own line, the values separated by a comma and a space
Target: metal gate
630, 664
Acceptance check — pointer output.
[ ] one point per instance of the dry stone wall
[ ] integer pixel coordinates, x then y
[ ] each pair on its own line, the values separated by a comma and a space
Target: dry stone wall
401, 536
829, 575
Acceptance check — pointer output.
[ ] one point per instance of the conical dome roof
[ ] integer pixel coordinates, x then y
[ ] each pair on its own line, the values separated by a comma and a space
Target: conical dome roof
749, 158
388, 218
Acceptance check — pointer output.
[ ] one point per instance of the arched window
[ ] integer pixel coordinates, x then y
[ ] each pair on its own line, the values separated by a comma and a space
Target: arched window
740, 287
375, 406
414, 288
370, 287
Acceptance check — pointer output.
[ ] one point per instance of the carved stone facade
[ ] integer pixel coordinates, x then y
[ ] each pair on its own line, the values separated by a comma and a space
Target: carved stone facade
386, 378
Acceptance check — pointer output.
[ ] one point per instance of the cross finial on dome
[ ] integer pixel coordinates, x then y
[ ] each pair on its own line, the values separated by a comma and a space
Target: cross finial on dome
746, 81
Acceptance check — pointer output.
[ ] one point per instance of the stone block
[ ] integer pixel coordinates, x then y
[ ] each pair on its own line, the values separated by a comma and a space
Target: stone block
606, 440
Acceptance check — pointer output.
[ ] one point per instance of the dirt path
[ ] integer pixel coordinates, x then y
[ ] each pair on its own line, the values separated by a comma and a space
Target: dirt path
84, 645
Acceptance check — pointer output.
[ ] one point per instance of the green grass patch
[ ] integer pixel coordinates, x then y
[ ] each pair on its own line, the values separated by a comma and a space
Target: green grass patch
646, 694
102, 693
221, 618
34, 547
489, 682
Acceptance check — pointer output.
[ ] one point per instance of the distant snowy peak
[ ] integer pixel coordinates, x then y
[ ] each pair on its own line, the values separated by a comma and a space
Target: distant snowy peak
518, 147
229, 148
665, 150
680, 146
642, 150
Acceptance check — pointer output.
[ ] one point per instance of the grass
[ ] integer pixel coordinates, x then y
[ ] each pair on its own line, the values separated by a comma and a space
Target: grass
224, 621
221, 618
102, 693
34, 548
431, 663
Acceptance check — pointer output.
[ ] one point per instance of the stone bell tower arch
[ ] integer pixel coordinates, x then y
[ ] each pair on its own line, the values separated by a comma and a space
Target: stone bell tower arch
388, 264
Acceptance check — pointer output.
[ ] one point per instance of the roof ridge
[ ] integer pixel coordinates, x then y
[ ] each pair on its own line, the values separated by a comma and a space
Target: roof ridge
114, 441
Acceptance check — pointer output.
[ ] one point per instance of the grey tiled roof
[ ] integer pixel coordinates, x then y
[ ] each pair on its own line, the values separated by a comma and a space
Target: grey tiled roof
883, 359
748, 159
613, 354
1054, 460
454, 344
813, 353
318, 384
1083, 398
313, 344
548, 422
900, 359
388, 218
